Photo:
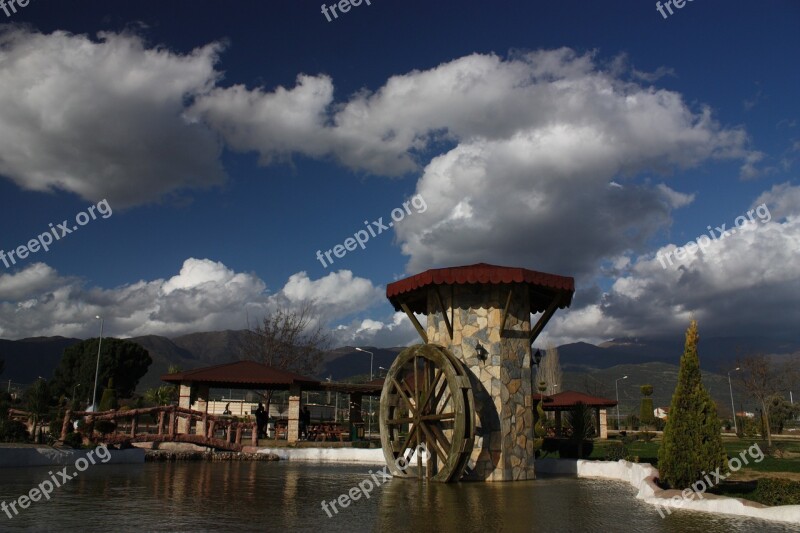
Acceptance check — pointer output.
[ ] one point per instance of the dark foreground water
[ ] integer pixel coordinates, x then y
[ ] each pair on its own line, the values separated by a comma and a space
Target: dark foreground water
285, 496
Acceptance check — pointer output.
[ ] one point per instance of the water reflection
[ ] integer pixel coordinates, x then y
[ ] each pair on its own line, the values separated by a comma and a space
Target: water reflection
255, 496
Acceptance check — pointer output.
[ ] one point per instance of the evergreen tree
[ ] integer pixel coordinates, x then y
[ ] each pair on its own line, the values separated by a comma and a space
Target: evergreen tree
109, 399
646, 415
692, 443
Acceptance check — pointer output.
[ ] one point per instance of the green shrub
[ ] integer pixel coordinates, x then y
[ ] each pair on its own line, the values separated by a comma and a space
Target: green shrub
13, 431
360, 444
104, 427
73, 440
773, 491
109, 399
568, 449
550, 445
615, 451
646, 436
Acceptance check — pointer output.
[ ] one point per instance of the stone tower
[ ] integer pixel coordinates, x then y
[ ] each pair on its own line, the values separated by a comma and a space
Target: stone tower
482, 314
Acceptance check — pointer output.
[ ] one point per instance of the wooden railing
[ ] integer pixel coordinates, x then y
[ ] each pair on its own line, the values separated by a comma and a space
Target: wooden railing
167, 427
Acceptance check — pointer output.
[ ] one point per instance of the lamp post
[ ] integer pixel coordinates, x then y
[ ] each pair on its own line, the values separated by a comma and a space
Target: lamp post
73, 391
616, 386
369, 417
97, 368
733, 408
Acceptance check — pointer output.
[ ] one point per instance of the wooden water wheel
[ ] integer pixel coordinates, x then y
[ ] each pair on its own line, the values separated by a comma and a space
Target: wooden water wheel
427, 399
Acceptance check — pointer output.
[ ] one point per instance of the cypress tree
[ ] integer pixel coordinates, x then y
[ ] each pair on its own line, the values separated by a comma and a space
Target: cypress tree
646, 415
109, 398
692, 443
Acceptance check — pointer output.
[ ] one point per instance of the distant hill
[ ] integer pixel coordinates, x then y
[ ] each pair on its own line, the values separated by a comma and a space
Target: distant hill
587, 367
717, 354
346, 362
27, 359
663, 377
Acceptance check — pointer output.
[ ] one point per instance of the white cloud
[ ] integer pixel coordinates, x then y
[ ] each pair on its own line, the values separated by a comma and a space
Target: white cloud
204, 296
395, 330
103, 119
782, 200
746, 283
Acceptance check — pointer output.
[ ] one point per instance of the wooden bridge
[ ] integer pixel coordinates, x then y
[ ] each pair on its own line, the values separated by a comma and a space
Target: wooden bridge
206, 427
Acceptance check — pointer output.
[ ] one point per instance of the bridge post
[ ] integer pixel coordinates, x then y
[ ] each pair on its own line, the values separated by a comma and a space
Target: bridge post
65, 424
201, 405
185, 401
293, 429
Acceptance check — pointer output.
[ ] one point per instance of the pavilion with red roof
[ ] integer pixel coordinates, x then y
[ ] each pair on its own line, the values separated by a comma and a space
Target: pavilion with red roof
566, 400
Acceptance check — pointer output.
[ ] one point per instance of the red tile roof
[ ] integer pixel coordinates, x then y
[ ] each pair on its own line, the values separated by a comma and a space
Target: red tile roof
568, 398
409, 291
240, 373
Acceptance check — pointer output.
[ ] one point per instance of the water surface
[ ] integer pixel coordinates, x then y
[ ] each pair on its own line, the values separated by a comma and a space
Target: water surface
285, 496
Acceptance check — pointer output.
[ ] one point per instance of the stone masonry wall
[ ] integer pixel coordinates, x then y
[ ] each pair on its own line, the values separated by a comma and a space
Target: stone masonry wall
502, 383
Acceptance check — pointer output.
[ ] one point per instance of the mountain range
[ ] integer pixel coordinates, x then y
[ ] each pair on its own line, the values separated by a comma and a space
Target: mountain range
587, 367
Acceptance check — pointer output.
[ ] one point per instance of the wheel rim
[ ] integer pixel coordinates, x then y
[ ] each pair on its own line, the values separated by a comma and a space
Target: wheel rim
427, 400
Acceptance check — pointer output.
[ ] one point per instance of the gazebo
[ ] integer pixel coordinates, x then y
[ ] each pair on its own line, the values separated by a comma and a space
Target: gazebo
566, 400
253, 375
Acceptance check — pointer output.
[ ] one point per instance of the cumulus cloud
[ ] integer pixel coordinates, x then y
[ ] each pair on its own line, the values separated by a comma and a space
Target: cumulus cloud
395, 330
783, 200
745, 282
103, 118
204, 296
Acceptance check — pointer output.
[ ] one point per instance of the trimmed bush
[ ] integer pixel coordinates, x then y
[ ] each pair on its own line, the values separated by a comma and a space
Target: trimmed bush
615, 451
773, 491
105, 427
568, 449
13, 431
74, 440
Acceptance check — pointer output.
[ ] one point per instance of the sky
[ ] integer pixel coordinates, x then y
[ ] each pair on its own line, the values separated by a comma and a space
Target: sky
191, 163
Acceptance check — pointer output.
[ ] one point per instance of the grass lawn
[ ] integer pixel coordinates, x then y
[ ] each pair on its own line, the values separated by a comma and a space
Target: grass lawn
647, 452
743, 483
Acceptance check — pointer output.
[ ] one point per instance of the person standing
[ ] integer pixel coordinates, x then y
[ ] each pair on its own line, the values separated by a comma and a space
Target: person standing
261, 419
305, 421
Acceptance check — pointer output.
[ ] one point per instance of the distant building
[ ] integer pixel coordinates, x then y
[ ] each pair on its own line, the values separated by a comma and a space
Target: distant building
661, 412
745, 414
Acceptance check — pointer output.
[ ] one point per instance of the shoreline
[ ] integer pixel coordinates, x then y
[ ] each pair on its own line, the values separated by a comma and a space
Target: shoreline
642, 476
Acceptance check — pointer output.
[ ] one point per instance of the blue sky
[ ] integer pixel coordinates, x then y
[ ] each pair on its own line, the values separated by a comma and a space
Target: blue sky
233, 141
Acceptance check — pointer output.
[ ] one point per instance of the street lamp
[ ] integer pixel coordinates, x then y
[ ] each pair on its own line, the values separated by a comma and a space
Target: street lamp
369, 418
616, 386
733, 408
97, 368
73, 391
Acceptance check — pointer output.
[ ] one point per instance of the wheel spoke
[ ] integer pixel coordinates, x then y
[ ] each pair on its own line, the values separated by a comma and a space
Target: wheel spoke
433, 442
441, 416
403, 395
430, 392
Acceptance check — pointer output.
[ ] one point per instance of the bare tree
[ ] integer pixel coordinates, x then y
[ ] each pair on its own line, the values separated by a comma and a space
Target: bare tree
762, 378
292, 340
550, 371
